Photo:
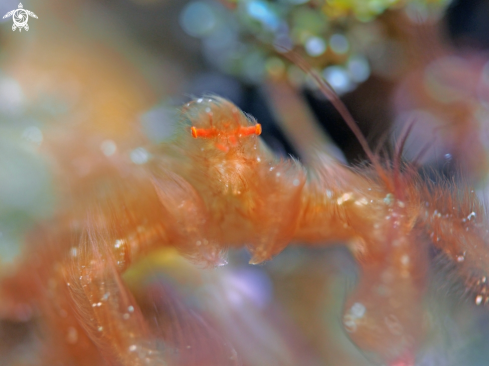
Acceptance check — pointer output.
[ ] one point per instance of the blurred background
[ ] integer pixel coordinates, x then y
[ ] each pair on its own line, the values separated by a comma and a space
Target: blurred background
113, 67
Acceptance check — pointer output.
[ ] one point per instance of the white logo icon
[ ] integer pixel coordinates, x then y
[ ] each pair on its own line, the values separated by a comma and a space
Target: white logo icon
20, 17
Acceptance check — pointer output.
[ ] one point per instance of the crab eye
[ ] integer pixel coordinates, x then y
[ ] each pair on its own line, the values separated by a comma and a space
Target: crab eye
232, 135
251, 130
203, 132
258, 129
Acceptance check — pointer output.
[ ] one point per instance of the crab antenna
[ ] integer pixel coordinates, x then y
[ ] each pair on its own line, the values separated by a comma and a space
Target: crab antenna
329, 93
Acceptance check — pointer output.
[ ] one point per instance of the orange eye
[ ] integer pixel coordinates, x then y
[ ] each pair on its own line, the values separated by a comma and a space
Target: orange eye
252, 130
211, 132
203, 132
258, 129
194, 132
